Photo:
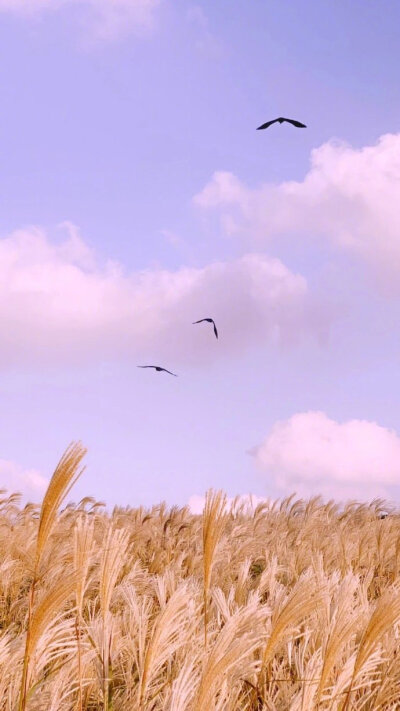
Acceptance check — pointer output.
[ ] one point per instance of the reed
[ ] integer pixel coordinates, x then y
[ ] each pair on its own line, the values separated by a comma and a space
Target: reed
293, 607
112, 561
82, 557
64, 477
214, 519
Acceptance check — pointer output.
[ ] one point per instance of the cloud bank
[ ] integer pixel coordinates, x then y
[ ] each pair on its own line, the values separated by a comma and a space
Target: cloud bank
57, 305
312, 454
29, 482
349, 197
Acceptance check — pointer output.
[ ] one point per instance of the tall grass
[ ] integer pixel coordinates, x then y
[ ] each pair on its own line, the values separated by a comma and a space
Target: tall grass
213, 525
82, 555
294, 606
61, 483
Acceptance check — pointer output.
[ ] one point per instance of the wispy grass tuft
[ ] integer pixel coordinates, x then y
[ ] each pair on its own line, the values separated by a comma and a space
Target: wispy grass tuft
292, 607
214, 519
61, 482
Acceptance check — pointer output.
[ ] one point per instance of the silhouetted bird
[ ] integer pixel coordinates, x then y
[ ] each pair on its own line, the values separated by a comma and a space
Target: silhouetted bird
209, 320
281, 120
157, 367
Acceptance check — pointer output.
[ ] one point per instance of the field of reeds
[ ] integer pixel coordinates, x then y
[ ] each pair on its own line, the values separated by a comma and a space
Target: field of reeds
294, 605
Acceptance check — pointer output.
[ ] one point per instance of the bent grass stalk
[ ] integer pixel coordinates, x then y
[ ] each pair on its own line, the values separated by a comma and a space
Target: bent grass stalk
213, 524
83, 552
384, 617
294, 621
63, 479
112, 561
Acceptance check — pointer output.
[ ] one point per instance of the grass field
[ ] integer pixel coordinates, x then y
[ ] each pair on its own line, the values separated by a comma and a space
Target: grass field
292, 606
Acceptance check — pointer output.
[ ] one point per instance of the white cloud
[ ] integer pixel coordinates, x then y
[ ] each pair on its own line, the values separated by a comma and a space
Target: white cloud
58, 306
104, 19
29, 482
312, 454
349, 196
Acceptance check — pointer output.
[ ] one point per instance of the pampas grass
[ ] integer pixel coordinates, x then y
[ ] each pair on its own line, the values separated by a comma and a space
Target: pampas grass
213, 525
294, 606
61, 482
82, 557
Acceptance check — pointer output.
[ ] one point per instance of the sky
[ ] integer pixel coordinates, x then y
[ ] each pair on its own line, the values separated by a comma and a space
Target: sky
136, 196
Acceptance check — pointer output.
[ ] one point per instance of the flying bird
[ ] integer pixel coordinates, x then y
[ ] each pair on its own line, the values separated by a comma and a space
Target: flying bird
281, 120
157, 367
209, 320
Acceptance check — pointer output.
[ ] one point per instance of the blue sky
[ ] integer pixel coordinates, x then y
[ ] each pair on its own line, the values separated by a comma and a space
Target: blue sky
137, 196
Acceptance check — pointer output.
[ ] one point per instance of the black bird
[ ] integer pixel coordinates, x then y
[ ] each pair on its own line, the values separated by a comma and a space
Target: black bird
210, 320
157, 367
281, 120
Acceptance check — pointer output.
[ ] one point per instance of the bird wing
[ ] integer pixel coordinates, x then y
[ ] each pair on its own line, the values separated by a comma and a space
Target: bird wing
201, 320
265, 125
298, 124
168, 371
147, 366
215, 330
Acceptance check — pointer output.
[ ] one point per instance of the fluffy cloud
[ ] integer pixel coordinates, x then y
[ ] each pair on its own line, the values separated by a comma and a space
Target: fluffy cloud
104, 19
29, 482
312, 454
349, 196
58, 305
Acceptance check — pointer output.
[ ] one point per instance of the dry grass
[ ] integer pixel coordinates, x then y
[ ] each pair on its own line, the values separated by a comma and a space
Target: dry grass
292, 607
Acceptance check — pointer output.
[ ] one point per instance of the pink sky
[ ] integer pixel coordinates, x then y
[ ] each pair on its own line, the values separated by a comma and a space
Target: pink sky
138, 197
